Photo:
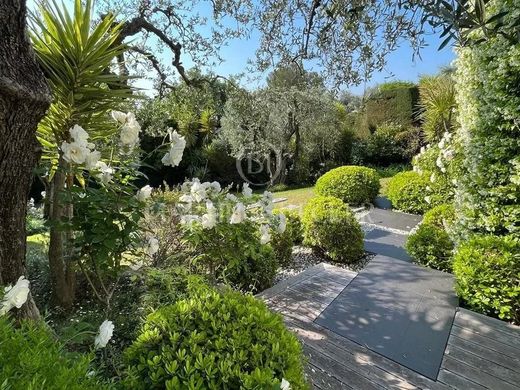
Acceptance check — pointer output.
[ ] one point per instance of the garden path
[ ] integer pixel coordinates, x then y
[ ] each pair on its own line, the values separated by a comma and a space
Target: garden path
395, 324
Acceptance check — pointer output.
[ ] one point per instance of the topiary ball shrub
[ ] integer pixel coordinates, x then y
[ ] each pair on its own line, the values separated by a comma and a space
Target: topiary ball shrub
487, 269
330, 226
407, 190
431, 246
352, 184
283, 243
214, 340
30, 358
442, 216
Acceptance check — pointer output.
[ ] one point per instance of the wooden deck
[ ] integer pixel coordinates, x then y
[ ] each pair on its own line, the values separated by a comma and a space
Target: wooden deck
482, 353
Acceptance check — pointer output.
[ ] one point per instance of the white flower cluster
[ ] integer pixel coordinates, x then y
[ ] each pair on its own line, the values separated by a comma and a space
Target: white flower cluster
130, 128
105, 333
15, 296
206, 204
446, 152
80, 151
177, 145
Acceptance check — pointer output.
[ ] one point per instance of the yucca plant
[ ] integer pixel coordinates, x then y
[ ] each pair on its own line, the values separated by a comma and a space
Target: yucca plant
437, 105
77, 57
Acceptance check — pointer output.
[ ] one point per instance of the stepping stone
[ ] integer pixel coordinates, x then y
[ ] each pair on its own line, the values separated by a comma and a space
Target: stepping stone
386, 243
391, 219
382, 202
399, 310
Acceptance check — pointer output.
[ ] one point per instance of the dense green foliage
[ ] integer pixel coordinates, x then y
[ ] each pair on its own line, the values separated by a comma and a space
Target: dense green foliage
283, 243
30, 359
442, 215
406, 191
352, 184
393, 103
214, 341
487, 269
431, 246
331, 227
488, 76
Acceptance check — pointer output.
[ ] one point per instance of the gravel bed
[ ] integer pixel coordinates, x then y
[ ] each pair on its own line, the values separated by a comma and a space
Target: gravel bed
304, 257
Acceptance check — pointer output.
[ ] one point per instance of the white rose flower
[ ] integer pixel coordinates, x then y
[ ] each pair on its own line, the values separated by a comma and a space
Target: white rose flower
105, 172
79, 135
43, 193
231, 197
92, 159
186, 198
282, 223
209, 220
119, 116
106, 330
285, 385
130, 133
265, 235
153, 246
216, 186
144, 193
239, 214
74, 152
246, 190
15, 296
177, 145
189, 219
198, 191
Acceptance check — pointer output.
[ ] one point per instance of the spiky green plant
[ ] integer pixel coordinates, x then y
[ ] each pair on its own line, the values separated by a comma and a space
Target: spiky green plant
437, 105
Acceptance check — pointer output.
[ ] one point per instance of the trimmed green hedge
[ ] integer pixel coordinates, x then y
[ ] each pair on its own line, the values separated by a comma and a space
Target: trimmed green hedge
407, 190
330, 226
214, 340
352, 184
487, 269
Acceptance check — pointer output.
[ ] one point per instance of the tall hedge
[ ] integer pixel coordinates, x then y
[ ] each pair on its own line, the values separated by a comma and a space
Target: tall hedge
397, 105
488, 96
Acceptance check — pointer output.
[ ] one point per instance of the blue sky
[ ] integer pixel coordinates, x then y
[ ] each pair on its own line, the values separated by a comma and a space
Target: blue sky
400, 64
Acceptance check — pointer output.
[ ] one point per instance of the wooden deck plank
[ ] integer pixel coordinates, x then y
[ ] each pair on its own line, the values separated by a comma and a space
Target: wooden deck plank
320, 379
490, 327
484, 341
338, 370
479, 350
458, 382
311, 331
482, 364
475, 375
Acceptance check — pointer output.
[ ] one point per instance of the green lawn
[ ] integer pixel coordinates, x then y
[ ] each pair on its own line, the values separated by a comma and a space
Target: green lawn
297, 197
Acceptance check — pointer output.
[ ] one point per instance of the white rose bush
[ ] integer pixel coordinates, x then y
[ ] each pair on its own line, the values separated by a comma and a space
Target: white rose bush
229, 232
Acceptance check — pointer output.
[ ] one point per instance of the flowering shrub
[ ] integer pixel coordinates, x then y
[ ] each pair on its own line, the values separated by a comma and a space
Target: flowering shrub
283, 243
406, 192
107, 209
352, 184
487, 269
229, 234
31, 358
330, 226
440, 164
215, 341
489, 107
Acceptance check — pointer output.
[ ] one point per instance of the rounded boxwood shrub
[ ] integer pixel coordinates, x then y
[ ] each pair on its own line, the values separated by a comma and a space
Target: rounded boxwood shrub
352, 184
431, 246
30, 358
214, 340
330, 226
442, 215
283, 243
407, 190
487, 269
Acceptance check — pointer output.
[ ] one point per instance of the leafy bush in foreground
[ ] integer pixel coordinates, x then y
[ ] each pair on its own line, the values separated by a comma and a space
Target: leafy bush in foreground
330, 226
30, 358
352, 184
215, 341
406, 191
431, 246
487, 269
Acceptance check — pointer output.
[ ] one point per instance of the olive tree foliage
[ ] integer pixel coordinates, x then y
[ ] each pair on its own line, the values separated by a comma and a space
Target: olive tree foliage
294, 117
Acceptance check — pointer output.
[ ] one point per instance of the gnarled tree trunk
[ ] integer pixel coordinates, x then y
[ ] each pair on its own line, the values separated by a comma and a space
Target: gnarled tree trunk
24, 98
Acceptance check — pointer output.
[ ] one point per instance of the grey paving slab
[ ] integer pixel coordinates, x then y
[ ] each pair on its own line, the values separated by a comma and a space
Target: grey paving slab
400, 310
386, 243
382, 202
391, 219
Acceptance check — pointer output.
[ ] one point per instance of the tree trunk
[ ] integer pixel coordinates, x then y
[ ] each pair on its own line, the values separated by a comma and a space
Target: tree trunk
24, 98
62, 272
